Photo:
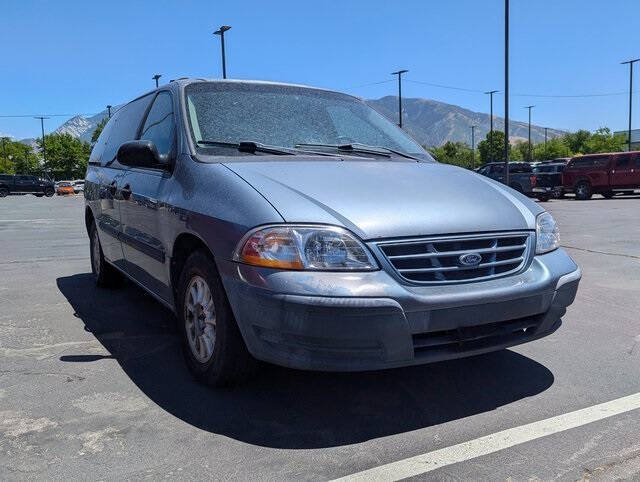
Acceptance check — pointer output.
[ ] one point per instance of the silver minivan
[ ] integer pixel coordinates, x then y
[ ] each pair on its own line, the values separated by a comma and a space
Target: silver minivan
298, 226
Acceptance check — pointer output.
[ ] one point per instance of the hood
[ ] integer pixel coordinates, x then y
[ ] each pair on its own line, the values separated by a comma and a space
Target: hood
385, 199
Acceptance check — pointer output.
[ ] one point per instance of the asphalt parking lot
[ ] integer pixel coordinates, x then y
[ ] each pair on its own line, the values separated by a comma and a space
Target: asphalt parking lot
93, 385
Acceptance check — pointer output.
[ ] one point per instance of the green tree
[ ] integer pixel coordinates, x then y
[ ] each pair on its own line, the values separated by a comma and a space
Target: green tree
66, 154
492, 150
17, 158
555, 148
577, 141
603, 140
456, 153
98, 131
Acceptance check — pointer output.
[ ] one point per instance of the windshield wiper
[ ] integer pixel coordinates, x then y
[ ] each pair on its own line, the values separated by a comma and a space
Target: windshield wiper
250, 147
362, 148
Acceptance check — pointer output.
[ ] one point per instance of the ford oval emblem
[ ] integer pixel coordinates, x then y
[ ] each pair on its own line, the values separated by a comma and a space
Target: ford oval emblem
470, 259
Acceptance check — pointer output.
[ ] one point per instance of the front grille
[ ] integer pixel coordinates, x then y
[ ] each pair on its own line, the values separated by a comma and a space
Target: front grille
475, 337
438, 260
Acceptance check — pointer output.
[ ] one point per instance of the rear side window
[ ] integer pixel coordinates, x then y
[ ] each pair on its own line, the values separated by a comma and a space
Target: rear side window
5, 177
160, 126
637, 156
623, 161
589, 162
124, 127
520, 168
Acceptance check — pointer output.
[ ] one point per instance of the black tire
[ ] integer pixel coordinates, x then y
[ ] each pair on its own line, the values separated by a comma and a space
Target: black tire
558, 193
49, 192
583, 190
229, 361
106, 276
608, 194
39, 195
4, 192
543, 198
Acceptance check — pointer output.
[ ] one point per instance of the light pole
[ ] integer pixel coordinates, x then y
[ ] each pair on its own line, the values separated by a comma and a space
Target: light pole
4, 147
630, 62
221, 32
506, 92
545, 143
473, 147
44, 148
156, 77
491, 92
399, 74
109, 110
529, 146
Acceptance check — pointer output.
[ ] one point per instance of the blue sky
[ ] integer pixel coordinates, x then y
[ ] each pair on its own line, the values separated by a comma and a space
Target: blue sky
72, 57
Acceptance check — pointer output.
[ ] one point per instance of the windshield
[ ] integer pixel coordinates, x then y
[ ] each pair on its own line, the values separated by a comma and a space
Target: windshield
286, 116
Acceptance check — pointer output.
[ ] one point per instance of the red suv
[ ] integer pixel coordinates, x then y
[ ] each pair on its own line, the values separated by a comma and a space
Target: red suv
606, 174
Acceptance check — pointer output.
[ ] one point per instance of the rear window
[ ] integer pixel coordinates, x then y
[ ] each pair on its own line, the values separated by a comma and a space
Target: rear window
520, 168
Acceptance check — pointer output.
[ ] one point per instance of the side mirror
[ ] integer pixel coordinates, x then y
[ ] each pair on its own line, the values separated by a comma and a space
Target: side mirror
142, 153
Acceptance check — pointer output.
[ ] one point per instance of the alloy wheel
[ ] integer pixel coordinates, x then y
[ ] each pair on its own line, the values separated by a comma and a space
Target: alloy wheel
200, 319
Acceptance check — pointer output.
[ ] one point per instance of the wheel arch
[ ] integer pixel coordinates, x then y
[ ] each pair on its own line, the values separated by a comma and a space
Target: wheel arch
88, 218
185, 244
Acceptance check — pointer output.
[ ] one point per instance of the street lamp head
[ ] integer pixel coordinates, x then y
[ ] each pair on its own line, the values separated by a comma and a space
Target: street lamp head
492, 92
156, 77
108, 106
399, 72
629, 61
222, 30
528, 106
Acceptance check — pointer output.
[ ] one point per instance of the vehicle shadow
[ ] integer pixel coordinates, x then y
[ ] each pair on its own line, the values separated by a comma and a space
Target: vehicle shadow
285, 408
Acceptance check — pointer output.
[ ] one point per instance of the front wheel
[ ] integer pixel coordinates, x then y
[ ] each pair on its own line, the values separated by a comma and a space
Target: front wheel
212, 344
583, 191
49, 192
543, 198
4, 192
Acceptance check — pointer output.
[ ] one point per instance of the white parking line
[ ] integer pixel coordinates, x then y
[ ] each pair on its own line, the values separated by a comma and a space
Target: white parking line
489, 444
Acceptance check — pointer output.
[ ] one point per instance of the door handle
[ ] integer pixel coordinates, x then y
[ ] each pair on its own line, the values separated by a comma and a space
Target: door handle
126, 191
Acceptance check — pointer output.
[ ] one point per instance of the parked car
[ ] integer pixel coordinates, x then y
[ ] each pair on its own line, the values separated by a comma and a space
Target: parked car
553, 175
64, 187
606, 174
78, 186
298, 226
25, 184
521, 178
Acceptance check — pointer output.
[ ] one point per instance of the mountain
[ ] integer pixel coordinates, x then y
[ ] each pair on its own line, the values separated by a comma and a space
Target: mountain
430, 122
433, 123
82, 127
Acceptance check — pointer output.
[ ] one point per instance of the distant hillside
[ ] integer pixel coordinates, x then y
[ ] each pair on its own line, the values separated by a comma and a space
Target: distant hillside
433, 123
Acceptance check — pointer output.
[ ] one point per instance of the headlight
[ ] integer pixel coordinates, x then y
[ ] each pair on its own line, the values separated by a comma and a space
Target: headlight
305, 248
547, 233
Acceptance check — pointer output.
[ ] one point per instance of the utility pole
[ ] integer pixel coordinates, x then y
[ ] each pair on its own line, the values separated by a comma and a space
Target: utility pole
109, 110
156, 77
473, 147
221, 32
4, 147
506, 92
44, 148
529, 146
545, 143
491, 92
399, 74
630, 62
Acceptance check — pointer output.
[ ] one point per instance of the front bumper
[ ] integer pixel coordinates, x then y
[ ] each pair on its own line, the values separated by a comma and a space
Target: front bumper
368, 321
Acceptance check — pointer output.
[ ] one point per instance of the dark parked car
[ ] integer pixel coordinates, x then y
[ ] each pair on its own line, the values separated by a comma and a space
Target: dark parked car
552, 174
24, 184
300, 227
521, 178
605, 174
